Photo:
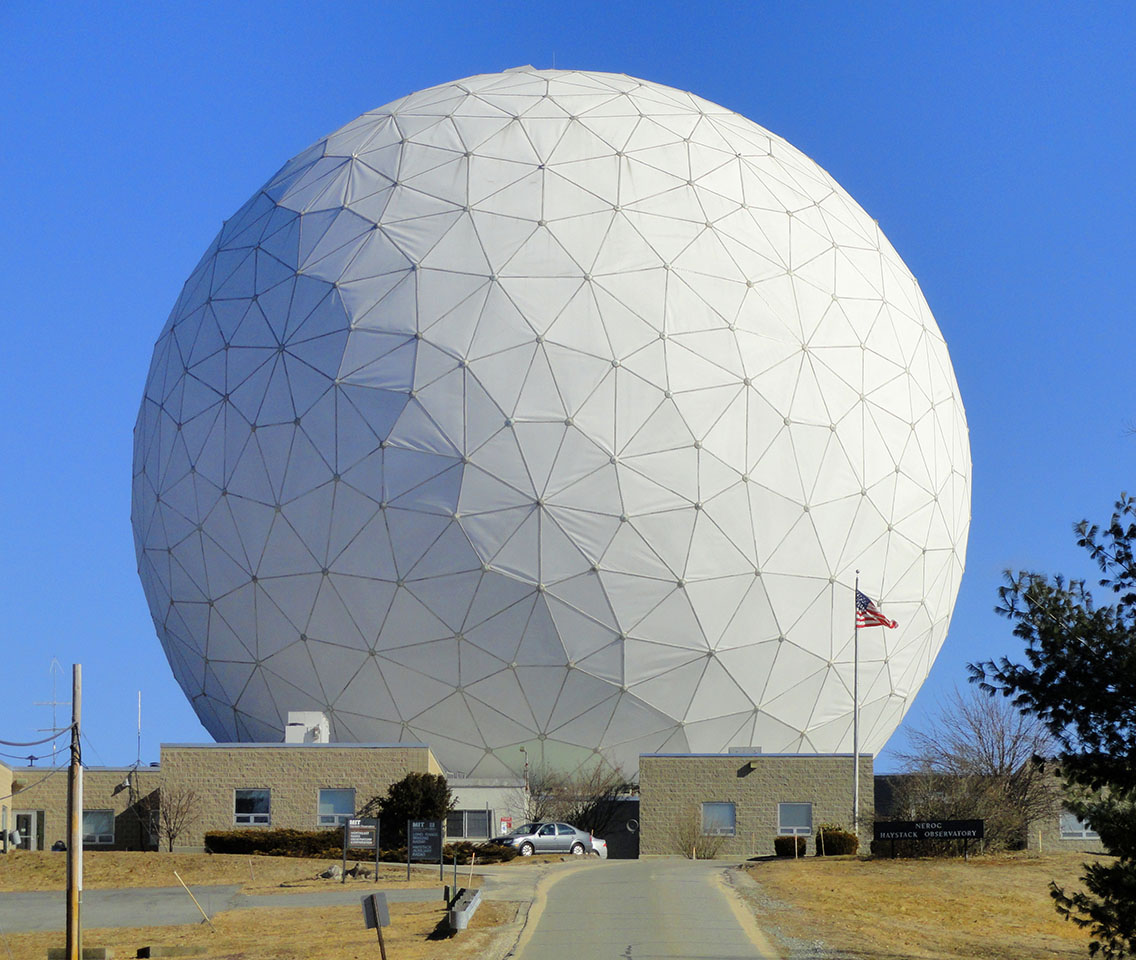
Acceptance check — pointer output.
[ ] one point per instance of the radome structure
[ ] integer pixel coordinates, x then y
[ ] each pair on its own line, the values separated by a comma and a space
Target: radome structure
556, 410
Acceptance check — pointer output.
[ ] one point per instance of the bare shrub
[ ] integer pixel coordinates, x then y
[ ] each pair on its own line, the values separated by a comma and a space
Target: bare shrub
172, 811
686, 836
979, 758
586, 798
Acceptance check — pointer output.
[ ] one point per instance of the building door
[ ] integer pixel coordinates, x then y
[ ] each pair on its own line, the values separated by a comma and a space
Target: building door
29, 827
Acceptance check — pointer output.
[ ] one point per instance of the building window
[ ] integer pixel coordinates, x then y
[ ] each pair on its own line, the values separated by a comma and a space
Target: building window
719, 819
468, 824
251, 806
794, 819
336, 807
1074, 828
98, 826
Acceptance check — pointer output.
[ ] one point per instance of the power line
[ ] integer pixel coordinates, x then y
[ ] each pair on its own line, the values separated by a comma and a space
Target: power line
35, 743
23, 756
98, 756
53, 772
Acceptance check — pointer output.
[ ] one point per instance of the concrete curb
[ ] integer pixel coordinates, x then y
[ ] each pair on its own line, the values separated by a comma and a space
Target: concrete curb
764, 907
731, 879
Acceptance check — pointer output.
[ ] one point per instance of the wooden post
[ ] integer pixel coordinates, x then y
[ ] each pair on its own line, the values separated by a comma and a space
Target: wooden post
374, 914
204, 915
343, 868
407, 860
75, 823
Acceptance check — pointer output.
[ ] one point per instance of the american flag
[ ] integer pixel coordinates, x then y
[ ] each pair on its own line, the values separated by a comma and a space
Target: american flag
868, 615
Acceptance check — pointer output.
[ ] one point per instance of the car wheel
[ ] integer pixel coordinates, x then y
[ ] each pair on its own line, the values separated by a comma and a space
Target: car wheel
526, 849
578, 849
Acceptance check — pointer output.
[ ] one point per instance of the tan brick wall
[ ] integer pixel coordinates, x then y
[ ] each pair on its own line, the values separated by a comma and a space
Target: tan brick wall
294, 773
6, 822
1045, 835
101, 791
672, 789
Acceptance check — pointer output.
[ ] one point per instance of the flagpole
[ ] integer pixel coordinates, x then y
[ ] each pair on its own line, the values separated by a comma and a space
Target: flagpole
855, 712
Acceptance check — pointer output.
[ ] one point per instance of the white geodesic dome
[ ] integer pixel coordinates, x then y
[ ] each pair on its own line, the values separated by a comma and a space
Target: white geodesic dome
556, 410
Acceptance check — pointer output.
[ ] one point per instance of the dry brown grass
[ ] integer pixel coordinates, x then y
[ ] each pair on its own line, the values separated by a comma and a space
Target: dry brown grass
327, 933
991, 908
27, 870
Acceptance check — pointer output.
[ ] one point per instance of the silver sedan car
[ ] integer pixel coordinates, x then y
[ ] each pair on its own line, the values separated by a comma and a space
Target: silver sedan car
530, 838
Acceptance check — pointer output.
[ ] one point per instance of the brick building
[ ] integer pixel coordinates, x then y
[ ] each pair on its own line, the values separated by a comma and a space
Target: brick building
116, 806
743, 801
303, 786
298, 785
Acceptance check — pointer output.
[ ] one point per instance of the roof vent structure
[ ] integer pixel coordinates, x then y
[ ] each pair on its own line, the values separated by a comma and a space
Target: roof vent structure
307, 726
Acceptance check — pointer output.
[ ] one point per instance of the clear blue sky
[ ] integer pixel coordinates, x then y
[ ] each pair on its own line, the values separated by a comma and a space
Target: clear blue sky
993, 142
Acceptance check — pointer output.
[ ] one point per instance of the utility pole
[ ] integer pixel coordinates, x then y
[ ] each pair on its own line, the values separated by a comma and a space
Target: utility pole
75, 823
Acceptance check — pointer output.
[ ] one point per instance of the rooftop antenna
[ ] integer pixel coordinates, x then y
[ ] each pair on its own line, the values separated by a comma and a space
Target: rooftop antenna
138, 760
55, 670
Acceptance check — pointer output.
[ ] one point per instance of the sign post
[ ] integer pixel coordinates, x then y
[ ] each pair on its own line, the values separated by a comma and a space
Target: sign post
424, 843
360, 834
377, 915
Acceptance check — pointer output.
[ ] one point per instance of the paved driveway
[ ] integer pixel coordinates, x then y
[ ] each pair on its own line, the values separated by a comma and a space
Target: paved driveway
166, 906
641, 910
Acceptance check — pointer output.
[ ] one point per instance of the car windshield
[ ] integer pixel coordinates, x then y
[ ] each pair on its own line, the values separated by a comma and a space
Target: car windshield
524, 828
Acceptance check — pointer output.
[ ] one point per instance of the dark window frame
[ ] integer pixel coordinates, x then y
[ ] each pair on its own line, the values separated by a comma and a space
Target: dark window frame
252, 818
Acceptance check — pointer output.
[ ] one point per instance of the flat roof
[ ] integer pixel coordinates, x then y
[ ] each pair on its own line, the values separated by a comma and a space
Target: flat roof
62, 768
755, 756
278, 744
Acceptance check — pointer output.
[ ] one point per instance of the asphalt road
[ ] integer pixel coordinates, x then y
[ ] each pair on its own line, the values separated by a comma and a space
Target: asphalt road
641, 910
167, 906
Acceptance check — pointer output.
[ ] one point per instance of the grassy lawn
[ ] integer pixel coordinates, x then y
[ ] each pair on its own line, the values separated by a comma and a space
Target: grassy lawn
42, 870
27, 870
417, 932
990, 908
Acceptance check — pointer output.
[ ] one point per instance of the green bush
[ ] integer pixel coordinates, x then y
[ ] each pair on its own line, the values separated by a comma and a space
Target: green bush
486, 852
417, 796
835, 841
328, 845
783, 846
277, 843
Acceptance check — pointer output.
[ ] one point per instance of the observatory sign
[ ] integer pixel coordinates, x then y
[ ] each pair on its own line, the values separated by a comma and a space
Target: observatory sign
929, 830
551, 409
